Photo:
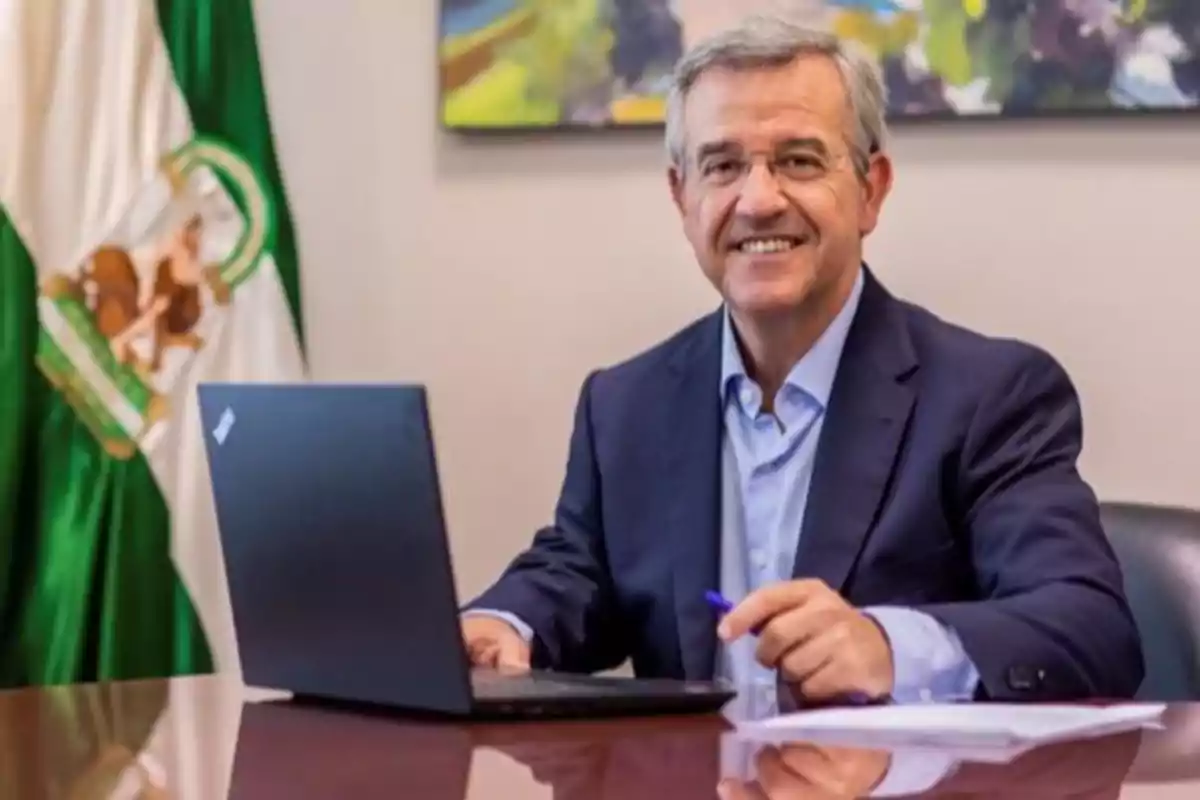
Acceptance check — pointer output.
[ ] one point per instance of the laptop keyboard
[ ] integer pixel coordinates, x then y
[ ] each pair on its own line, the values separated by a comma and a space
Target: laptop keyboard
493, 684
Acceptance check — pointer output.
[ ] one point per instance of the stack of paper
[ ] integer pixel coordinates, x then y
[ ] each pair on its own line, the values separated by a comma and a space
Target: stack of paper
979, 727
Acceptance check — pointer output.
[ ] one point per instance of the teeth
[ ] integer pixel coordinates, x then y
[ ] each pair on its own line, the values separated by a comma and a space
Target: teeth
766, 245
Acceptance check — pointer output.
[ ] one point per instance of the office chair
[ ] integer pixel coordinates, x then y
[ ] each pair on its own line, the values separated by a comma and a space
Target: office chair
1159, 551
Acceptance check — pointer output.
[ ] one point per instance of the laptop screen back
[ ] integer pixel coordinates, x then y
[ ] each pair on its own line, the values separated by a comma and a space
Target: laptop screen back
332, 529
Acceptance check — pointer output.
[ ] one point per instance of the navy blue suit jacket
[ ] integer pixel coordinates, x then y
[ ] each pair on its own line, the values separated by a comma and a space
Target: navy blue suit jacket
945, 480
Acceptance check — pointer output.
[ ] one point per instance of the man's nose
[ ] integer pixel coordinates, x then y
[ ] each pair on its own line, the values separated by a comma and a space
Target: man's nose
761, 195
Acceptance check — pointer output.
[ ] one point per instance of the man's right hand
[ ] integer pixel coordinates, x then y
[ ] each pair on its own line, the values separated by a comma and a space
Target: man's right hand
492, 642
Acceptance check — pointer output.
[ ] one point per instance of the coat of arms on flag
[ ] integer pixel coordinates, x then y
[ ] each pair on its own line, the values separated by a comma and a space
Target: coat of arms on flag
125, 324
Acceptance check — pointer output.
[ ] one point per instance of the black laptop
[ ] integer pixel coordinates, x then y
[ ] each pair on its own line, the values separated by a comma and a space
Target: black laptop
334, 543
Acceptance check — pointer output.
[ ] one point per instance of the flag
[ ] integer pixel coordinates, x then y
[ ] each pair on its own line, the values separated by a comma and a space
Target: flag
145, 246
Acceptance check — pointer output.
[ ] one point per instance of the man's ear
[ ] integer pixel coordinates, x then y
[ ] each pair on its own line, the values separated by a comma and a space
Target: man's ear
876, 187
675, 180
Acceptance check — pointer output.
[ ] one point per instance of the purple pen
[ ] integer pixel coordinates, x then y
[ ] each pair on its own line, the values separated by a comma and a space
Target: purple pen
722, 606
718, 603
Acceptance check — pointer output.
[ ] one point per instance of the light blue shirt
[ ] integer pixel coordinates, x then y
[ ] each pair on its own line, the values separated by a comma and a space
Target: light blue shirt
767, 464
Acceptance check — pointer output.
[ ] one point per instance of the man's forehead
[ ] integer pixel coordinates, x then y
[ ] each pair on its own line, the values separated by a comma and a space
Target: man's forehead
767, 105
786, 128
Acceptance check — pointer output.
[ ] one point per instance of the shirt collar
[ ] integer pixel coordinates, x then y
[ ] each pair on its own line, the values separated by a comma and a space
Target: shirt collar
815, 371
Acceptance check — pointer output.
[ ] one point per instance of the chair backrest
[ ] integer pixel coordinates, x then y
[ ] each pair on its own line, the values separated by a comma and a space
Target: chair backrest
1159, 551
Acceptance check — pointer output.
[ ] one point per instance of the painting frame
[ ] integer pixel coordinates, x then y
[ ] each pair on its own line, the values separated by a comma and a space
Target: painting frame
448, 83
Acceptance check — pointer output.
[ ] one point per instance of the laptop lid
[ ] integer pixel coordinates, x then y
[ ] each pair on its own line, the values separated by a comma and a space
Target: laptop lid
332, 528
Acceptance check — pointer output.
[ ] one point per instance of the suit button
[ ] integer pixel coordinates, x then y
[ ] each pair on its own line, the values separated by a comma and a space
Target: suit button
1025, 679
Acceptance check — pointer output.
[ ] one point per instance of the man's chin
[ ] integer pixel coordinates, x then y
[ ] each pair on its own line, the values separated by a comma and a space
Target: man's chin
765, 304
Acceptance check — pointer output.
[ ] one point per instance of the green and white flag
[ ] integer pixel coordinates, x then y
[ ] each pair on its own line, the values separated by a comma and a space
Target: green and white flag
145, 245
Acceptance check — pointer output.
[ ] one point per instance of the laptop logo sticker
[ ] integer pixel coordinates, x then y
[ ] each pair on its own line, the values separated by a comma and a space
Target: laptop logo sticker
224, 424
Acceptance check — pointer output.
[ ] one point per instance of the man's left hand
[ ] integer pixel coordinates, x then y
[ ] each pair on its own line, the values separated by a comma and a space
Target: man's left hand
817, 642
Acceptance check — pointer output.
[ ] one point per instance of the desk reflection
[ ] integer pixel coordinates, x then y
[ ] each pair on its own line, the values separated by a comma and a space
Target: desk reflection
194, 739
298, 751
679, 760
81, 742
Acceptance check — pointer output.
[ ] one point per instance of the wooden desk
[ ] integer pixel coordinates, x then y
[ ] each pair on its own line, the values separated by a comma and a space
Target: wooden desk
196, 739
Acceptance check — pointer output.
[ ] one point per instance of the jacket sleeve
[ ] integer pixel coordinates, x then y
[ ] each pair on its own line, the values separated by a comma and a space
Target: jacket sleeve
1054, 622
560, 586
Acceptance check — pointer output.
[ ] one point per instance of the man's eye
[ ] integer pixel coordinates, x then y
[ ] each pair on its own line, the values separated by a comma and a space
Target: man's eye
799, 162
720, 167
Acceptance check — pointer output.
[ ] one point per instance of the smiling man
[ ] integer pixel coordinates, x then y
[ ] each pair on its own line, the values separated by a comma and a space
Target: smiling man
890, 503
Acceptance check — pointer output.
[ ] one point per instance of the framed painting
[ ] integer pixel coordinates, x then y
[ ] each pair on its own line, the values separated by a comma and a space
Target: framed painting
522, 64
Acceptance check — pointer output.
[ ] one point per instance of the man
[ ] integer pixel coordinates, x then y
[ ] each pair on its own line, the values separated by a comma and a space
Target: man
891, 502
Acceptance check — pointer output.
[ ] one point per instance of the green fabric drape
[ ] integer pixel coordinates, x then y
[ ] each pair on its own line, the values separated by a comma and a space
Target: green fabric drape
88, 590
87, 586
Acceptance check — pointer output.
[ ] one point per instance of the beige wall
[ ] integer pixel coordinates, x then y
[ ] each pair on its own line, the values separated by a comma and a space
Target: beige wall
499, 272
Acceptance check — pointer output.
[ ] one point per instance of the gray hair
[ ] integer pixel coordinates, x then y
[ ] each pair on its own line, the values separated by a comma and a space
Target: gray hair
767, 41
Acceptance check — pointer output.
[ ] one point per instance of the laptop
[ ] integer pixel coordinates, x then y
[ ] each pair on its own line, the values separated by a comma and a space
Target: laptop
333, 536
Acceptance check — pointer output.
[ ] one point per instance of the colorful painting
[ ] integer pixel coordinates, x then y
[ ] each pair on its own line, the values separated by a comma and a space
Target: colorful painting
549, 63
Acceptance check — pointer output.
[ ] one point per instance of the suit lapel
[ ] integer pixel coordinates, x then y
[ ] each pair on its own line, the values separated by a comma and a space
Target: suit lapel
869, 409
692, 441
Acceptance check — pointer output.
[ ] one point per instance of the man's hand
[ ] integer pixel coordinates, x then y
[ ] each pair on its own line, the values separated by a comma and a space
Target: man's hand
805, 770
816, 641
492, 642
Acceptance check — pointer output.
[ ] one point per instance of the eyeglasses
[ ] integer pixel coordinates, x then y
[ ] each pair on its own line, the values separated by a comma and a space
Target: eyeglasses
725, 165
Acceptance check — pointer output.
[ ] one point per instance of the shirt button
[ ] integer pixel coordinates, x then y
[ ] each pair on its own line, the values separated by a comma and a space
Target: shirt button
758, 558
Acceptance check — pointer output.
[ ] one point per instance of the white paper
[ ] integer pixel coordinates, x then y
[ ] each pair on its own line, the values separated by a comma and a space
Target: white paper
965, 727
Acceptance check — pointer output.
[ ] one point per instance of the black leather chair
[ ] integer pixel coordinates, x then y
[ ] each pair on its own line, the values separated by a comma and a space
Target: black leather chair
1159, 551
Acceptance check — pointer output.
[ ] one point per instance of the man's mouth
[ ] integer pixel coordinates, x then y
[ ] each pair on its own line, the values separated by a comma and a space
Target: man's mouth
765, 245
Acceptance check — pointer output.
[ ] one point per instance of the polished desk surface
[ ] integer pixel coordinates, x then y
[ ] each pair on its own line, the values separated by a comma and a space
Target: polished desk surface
210, 738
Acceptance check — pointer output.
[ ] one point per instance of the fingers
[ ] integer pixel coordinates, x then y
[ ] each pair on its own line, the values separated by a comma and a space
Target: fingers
808, 759
778, 780
828, 683
758, 607
506, 655
482, 652
512, 654
493, 643
838, 771
792, 629
806, 771
861, 669
807, 660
